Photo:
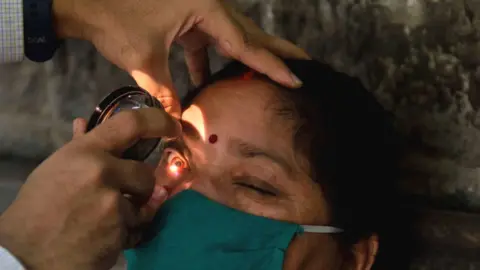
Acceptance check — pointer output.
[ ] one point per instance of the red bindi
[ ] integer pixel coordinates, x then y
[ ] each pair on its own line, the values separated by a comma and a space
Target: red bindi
213, 138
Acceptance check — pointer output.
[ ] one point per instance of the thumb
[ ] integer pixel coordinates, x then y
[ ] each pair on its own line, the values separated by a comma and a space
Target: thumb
148, 211
158, 82
79, 127
233, 40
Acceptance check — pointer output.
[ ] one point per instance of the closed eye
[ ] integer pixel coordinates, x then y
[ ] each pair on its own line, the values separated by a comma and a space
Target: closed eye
257, 189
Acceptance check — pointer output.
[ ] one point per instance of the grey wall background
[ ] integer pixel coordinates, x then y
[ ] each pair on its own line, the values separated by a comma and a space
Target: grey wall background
421, 58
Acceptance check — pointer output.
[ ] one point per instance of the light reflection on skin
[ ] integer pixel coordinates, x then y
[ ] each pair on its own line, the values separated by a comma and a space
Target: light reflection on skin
194, 116
174, 170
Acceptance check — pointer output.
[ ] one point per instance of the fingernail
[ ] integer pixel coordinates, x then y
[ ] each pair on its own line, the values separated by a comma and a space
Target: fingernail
159, 194
295, 80
76, 123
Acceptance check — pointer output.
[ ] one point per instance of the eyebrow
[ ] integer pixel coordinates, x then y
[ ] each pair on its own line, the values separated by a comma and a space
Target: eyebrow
248, 150
242, 148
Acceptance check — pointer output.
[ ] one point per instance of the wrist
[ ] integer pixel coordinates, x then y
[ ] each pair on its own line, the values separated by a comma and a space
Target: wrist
7, 240
70, 20
17, 240
26, 243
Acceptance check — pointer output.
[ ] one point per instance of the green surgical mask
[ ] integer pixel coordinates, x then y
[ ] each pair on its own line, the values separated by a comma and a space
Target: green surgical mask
196, 233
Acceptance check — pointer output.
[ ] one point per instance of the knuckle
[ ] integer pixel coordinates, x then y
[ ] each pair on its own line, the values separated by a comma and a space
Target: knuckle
127, 51
248, 46
135, 56
97, 168
109, 205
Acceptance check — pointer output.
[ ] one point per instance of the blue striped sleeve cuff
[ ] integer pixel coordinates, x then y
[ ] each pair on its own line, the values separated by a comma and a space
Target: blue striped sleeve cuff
11, 31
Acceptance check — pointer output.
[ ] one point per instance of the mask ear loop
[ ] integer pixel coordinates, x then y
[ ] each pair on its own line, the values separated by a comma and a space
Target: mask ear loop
321, 229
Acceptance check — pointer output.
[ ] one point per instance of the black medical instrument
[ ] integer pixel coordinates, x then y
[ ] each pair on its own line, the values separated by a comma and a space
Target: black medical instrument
129, 98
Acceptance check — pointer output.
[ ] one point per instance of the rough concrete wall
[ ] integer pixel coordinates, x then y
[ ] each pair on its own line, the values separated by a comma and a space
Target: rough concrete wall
419, 57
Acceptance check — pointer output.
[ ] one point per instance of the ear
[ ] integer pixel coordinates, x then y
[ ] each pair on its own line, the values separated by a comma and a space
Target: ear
364, 253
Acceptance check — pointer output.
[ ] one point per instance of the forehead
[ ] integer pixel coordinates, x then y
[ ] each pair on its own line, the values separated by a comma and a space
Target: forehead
247, 110
252, 96
250, 102
243, 108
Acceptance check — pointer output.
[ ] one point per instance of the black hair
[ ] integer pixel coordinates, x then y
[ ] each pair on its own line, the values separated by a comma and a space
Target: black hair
350, 143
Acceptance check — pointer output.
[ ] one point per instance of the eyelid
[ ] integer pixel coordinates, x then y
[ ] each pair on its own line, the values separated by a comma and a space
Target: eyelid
257, 183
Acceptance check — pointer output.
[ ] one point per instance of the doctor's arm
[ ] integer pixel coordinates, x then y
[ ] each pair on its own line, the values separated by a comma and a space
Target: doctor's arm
137, 37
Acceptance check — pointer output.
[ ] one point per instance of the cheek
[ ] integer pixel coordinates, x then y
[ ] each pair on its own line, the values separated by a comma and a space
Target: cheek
312, 252
213, 187
208, 166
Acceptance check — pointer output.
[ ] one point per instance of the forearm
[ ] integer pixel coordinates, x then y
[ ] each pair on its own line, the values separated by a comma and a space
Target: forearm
8, 261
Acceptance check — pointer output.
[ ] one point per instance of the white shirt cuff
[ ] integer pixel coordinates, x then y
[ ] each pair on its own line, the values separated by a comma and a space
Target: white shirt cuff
8, 261
11, 31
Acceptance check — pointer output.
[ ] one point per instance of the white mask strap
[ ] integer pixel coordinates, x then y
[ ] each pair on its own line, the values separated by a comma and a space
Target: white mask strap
320, 229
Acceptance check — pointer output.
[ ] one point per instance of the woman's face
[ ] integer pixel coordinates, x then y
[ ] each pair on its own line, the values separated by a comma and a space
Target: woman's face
253, 166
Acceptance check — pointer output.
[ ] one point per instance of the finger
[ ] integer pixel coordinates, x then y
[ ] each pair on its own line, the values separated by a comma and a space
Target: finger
233, 40
159, 196
198, 65
124, 129
276, 45
136, 220
195, 44
263, 61
79, 127
133, 239
132, 178
147, 211
157, 80
129, 213
283, 48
